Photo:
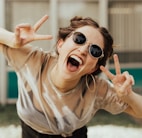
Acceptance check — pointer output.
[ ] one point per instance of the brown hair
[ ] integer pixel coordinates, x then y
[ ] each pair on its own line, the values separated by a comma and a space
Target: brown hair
78, 22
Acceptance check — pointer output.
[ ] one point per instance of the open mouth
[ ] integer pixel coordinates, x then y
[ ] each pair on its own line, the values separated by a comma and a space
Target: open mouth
73, 63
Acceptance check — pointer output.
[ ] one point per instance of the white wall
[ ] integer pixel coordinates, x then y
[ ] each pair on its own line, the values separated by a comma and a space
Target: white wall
3, 74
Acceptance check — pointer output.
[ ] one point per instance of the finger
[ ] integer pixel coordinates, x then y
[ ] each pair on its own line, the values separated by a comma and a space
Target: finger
107, 72
43, 37
127, 83
129, 77
132, 78
24, 25
17, 36
40, 22
117, 64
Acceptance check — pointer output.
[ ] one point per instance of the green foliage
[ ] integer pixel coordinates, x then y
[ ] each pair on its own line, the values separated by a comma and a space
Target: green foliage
104, 118
8, 115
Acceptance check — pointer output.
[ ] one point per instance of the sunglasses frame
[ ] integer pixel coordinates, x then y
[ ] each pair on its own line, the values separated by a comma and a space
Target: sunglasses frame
90, 45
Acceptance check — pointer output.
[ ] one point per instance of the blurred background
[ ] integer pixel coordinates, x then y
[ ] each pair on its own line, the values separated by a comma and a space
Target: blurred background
123, 18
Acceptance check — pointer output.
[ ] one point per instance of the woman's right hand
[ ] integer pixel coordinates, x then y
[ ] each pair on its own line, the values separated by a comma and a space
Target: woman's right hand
25, 33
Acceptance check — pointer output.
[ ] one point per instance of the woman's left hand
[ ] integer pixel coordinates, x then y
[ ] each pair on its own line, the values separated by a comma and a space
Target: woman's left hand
122, 81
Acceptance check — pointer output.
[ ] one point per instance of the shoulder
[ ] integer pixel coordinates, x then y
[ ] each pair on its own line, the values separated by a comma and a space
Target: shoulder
102, 86
27, 55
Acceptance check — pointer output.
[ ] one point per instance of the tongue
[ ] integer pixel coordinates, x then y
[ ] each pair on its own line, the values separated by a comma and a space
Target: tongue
71, 67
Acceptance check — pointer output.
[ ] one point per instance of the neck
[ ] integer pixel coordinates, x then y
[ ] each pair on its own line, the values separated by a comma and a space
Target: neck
60, 82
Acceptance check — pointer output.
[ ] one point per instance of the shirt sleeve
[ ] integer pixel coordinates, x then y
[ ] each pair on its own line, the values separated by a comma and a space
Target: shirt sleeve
108, 98
18, 57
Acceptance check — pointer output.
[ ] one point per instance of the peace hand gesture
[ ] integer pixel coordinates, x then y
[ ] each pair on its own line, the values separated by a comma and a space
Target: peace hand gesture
25, 33
122, 81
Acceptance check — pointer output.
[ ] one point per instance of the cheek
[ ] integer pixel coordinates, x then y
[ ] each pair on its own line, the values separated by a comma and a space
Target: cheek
92, 66
65, 47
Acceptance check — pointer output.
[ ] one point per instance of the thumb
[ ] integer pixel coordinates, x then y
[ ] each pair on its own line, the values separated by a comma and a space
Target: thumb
43, 37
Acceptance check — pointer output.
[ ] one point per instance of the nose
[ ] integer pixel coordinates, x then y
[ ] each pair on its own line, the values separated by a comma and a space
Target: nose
83, 50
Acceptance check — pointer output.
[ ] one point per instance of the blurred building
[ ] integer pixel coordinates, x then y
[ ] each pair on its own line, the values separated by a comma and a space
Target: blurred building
123, 18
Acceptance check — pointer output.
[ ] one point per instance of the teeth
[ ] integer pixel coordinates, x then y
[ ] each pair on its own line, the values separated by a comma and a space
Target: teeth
77, 59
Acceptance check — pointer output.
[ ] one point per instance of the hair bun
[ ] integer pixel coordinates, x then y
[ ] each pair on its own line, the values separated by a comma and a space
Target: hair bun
76, 18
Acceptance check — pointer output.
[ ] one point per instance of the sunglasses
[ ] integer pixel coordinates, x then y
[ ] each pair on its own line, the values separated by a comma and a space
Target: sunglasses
94, 50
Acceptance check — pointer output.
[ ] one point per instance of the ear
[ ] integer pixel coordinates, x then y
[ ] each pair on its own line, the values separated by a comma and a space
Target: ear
59, 45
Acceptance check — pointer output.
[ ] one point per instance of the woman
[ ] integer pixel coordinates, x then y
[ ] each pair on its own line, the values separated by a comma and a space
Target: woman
60, 93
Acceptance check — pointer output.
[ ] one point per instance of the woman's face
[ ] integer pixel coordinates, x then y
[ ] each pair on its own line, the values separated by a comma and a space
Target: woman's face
75, 60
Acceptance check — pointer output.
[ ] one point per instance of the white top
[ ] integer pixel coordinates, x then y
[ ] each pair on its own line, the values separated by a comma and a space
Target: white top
53, 113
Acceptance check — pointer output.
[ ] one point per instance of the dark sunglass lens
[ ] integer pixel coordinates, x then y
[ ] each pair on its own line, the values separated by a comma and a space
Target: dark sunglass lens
95, 51
79, 38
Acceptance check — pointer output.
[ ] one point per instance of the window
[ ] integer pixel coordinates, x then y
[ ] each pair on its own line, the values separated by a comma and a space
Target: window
125, 23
